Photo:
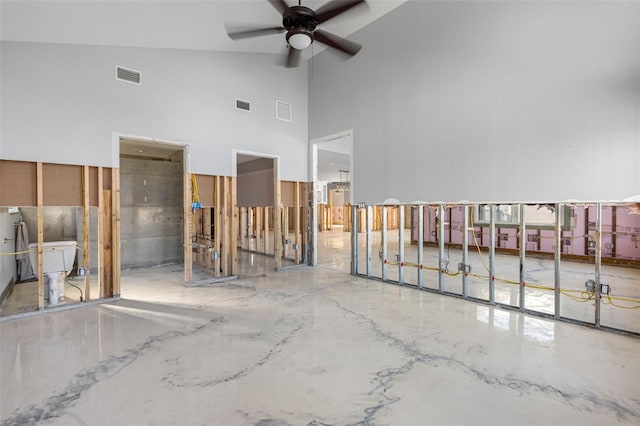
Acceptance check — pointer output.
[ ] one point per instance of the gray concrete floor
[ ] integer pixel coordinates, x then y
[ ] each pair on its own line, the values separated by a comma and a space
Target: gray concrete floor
309, 346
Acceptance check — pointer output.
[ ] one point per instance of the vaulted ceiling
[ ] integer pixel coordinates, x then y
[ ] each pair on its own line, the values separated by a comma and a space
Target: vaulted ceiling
193, 25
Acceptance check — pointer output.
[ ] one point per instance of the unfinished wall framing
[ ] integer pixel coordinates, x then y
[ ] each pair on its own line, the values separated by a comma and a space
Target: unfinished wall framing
213, 233
393, 218
518, 255
58, 202
258, 225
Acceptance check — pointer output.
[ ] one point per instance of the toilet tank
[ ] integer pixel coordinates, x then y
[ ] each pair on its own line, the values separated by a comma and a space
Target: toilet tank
58, 256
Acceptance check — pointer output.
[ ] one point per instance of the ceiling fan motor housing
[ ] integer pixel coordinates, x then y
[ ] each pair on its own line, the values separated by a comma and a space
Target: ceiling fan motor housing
299, 20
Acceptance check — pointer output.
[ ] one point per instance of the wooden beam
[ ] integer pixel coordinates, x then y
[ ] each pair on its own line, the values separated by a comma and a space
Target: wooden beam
244, 234
39, 203
115, 229
217, 219
307, 220
226, 227
277, 226
297, 221
86, 263
186, 226
100, 231
106, 289
265, 225
206, 217
234, 225
258, 227
284, 215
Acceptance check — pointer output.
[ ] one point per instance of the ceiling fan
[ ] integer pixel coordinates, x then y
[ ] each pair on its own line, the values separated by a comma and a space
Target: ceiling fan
300, 23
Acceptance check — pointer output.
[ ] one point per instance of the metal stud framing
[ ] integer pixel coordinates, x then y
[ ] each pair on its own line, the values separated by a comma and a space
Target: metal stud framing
523, 251
384, 243
401, 244
369, 242
560, 210
557, 258
420, 246
441, 259
492, 254
465, 250
598, 260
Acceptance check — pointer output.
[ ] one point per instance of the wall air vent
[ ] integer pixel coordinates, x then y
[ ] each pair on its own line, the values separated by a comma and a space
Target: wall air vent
128, 75
243, 105
283, 110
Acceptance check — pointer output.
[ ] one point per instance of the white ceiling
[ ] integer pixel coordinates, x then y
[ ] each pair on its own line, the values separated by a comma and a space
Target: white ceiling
330, 163
149, 149
193, 25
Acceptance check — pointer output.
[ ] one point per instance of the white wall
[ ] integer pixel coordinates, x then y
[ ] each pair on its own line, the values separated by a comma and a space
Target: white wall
61, 104
489, 101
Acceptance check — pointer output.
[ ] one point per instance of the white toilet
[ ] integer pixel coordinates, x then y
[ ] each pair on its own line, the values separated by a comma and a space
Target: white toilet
58, 258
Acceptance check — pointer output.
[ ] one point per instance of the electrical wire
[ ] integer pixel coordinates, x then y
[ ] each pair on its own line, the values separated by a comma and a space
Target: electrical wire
582, 297
78, 288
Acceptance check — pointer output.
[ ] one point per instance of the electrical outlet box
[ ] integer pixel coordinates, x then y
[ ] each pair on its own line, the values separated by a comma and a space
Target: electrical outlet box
287, 241
396, 257
82, 272
296, 246
464, 268
604, 288
590, 286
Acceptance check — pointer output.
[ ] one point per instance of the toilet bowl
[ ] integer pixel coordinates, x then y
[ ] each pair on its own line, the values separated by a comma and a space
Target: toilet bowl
58, 259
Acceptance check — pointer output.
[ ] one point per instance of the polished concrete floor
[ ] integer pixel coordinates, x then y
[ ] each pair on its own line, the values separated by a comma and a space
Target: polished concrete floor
619, 310
308, 346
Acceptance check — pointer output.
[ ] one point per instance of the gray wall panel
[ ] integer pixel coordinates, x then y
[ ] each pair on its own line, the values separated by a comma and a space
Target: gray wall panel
151, 212
61, 103
489, 101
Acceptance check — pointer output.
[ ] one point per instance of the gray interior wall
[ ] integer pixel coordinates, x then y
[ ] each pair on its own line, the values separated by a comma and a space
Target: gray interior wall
61, 104
489, 101
255, 184
151, 212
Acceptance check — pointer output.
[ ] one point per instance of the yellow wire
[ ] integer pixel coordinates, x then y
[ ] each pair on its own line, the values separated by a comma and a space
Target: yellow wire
196, 194
584, 296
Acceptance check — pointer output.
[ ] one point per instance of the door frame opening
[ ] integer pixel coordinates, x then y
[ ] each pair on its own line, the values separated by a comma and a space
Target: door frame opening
116, 140
344, 138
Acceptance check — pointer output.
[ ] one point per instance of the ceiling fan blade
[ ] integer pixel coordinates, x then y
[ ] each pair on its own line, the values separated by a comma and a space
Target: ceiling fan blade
334, 8
332, 40
279, 5
293, 57
237, 35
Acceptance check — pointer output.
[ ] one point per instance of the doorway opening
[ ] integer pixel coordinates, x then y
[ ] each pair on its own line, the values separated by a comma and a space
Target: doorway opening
152, 200
258, 196
332, 171
272, 216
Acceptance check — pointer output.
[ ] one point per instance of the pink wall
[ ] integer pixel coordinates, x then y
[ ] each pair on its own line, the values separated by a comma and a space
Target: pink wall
627, 233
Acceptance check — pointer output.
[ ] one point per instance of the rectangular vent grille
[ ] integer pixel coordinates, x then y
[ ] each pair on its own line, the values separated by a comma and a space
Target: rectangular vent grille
128, 75
243, 105
283, 111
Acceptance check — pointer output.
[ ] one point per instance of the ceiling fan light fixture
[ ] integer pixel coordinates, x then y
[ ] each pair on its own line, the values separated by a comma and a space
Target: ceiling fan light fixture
299, 39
